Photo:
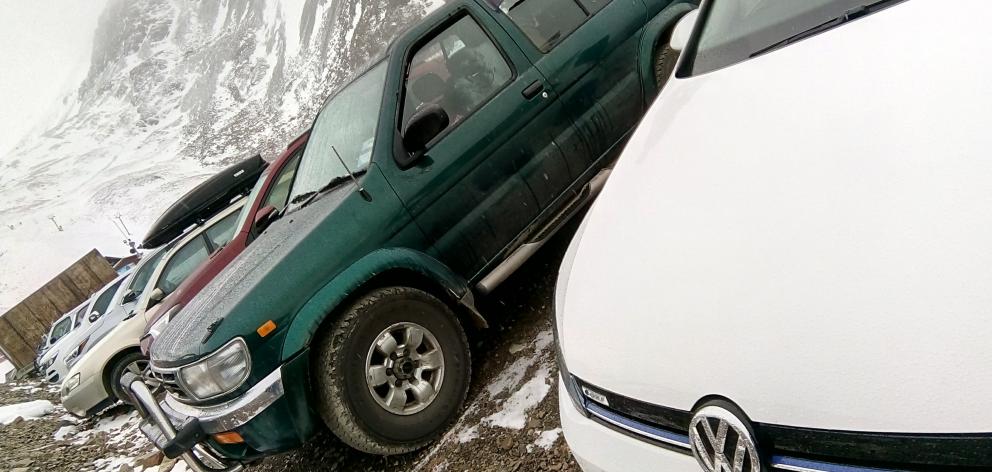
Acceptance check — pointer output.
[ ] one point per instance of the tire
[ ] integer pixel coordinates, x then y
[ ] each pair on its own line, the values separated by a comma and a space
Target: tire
665, 59
366, 414
135, 362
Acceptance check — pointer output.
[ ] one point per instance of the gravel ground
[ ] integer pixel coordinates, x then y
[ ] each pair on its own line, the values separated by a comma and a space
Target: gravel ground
510, 422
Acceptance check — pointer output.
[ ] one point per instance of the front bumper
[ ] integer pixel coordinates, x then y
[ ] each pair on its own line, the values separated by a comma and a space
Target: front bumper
181, 430
91, 395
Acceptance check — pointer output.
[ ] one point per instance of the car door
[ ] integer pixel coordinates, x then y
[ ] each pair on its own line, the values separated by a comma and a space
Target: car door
493, 170
588, 50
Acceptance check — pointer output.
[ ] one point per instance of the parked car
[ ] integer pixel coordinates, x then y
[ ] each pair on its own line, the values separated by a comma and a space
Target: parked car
91, 322
788, 267
53, 342
94, 382
267, 199
428, 178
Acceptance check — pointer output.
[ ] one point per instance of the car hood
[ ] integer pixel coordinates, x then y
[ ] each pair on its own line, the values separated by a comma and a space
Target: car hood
248, 281
807, 234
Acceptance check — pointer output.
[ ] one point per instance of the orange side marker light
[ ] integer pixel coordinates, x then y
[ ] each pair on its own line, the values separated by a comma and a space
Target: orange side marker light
266, 329
229, 437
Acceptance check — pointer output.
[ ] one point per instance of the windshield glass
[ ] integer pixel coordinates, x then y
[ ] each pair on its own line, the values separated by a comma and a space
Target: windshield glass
103, 301
61, 328
80, 313
144, 273
348, 123
246, 210
737, 30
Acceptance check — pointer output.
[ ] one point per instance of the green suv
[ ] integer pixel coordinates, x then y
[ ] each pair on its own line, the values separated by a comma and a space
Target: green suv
427, 179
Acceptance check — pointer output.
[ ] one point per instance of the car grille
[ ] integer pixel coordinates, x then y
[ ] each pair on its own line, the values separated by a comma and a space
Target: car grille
799, 449
169, 383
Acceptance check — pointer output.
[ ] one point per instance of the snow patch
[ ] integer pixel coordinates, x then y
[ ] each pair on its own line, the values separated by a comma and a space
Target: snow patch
468, 434
179, 467
514, 412
112, 464
28, 410
64, 432
547, 439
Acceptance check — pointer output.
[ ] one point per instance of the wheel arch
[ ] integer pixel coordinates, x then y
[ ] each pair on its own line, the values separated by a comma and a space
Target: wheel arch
657, 30
109, 365
382, 268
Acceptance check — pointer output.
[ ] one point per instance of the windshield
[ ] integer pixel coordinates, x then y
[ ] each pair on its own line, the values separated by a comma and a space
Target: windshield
348, 123
735, 31
80, 313
144, 273
61, 328
103, 301
246, 210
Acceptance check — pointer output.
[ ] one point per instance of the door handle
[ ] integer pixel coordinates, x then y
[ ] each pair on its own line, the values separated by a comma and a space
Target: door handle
533, 89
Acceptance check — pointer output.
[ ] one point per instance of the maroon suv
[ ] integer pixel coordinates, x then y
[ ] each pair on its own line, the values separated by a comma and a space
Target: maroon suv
267, 198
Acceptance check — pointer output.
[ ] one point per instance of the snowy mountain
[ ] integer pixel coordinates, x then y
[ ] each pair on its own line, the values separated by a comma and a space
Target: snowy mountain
176, 89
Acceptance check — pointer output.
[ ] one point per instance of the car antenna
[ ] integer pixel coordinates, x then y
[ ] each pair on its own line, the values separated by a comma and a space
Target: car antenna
361, 190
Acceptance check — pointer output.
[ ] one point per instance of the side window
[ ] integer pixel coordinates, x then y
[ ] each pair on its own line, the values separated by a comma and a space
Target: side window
459, 70
547, 22
279, 192
222, 232
186, 259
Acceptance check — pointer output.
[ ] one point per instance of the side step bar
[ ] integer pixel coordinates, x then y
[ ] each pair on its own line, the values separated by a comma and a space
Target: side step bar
517, 258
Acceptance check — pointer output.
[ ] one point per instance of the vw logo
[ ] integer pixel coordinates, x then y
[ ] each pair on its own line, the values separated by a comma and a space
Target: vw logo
722, 443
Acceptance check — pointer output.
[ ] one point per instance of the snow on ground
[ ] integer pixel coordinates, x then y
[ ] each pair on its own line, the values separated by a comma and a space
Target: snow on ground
547, 439
513, 400
514, 412
28, 411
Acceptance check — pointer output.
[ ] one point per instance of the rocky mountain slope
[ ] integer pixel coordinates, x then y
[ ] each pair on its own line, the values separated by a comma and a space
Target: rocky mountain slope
176, 89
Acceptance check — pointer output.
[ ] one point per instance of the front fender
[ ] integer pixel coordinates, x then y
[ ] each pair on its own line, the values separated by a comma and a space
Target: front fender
653, 32
308, 320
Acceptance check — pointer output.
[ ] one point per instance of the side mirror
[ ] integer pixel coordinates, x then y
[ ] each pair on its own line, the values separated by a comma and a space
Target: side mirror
155, 297
94, 316
425, 125
683, 30
264, 218
129, 298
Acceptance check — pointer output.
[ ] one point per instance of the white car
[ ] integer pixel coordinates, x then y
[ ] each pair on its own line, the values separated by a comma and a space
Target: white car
789, 267
94, 382
91, 321
55, 342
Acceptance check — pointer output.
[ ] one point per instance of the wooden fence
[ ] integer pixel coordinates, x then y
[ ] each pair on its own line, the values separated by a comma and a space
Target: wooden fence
22, 327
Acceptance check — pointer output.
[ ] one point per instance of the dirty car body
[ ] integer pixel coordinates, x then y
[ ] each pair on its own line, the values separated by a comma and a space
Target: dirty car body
491, 130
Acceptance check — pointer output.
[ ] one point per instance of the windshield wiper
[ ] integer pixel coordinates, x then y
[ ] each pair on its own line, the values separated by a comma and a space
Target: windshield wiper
305, 199
309, 197
848, 15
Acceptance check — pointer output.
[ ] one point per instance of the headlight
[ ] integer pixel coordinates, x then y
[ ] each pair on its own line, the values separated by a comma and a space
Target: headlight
219, 373
70, 385
45, 365
76, 353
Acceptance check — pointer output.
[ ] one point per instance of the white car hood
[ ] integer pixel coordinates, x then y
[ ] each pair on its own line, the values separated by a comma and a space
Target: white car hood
808, 234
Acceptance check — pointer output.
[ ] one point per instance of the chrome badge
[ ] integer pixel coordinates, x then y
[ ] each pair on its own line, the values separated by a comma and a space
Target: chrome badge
722, 443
